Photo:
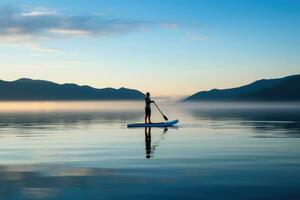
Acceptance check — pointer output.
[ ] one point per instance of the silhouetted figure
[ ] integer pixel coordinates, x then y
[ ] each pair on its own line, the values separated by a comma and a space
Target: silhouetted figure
148, 142
148, 101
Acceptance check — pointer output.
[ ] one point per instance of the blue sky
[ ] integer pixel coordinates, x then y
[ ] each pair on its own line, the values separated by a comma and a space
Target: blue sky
167, 47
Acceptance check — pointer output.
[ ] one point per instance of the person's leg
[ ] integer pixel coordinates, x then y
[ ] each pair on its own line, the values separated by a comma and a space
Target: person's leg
149, 116
146, 115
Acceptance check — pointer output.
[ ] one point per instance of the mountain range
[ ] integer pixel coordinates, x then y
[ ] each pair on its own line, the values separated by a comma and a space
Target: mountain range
28, 89
280, 89
24, 89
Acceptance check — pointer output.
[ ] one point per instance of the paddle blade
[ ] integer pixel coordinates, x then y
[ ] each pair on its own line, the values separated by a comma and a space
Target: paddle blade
165, 118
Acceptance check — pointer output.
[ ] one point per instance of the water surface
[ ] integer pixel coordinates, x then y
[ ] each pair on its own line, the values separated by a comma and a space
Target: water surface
83, 150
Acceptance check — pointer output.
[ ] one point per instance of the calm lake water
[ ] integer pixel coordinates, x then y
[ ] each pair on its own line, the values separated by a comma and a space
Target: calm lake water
83, 150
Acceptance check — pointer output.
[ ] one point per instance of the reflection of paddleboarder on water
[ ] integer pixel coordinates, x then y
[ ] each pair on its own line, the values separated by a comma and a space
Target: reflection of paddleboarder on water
148, 142
148, 101
151, 149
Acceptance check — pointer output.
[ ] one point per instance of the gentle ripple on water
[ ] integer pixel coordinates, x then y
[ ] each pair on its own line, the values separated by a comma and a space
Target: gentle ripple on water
84, 151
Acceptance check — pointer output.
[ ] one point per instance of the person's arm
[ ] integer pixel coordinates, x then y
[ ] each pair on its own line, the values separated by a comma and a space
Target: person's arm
148, 101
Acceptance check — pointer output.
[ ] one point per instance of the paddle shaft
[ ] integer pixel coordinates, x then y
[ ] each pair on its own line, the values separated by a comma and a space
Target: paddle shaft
161, 112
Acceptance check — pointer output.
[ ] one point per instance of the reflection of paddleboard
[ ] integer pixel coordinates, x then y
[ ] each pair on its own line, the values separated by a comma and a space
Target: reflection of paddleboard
161, 124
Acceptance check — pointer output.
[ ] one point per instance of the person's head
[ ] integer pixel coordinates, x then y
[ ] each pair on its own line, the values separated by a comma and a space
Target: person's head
147, 94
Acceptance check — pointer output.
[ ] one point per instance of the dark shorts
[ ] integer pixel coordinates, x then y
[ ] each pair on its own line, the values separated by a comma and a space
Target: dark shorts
147, 111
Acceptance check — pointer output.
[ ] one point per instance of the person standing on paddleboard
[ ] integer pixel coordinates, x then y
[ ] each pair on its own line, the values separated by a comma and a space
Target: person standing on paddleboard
148, 101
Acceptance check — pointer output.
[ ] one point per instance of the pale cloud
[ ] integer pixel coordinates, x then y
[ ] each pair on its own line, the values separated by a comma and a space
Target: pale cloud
49, 50
15, 39
68, 32
37, 47
41, 22
32, 27
40, 11
34, 47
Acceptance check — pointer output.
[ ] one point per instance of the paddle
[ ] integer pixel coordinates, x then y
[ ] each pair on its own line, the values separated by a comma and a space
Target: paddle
161, 112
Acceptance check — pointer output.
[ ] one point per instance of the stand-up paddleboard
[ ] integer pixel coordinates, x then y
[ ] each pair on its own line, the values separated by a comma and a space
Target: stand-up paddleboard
160, 124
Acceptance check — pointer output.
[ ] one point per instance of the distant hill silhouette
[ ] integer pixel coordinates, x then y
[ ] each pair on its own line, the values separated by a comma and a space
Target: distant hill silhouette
28, 89
281, 89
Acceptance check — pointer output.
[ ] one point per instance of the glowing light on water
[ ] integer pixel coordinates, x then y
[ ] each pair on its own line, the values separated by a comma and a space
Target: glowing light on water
35, 106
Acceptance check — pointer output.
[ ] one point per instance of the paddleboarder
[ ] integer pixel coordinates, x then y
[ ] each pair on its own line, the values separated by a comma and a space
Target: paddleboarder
148, 101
